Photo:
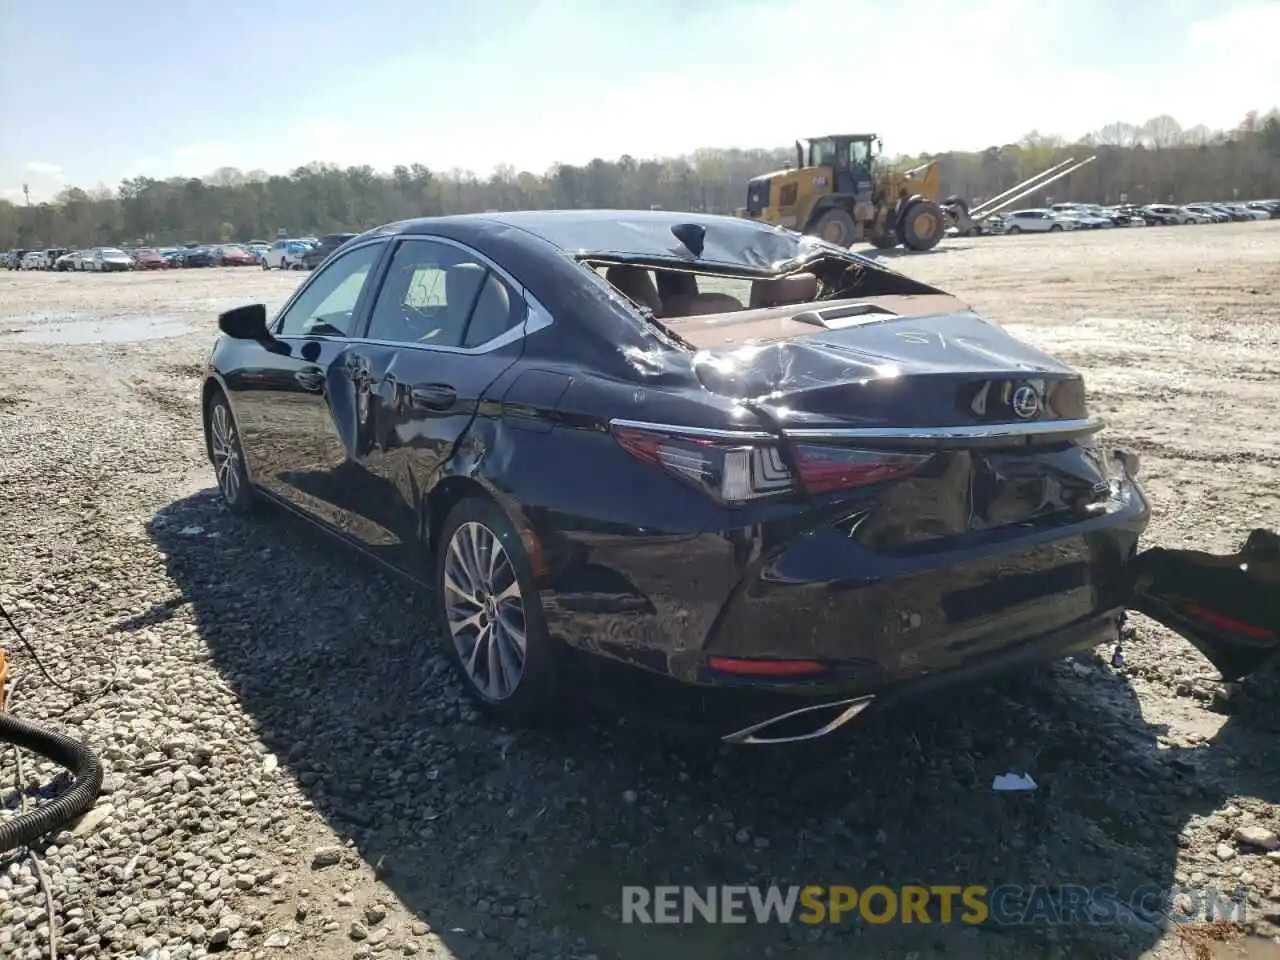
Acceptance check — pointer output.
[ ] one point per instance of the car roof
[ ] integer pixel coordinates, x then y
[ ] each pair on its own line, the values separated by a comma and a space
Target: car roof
641, 234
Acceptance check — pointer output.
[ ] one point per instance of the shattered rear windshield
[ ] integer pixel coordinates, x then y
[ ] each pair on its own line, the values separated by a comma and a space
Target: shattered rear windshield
727, 241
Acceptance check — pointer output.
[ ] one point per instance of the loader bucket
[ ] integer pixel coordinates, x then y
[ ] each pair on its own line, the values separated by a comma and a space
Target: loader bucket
1227, 606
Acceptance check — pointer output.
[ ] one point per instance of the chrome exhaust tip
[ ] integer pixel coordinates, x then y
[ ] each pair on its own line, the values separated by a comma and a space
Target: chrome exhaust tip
845, 710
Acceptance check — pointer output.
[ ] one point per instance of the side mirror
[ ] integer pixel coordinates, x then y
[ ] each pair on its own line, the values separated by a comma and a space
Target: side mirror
250, 323
245, 323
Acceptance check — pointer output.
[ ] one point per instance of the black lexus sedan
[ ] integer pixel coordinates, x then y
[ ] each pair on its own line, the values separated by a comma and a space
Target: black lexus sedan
739, 478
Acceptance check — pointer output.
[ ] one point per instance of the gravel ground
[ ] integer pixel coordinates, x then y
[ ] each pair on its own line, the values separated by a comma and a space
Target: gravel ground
293, 773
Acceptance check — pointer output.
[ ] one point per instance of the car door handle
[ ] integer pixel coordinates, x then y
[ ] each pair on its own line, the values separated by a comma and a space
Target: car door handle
433, 396
310, 378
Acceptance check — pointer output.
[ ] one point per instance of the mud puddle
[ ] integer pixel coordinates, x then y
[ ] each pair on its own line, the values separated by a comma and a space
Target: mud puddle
84, 330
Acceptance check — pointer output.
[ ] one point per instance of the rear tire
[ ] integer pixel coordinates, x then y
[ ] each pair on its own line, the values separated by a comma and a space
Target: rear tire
922, 226
835, 226
222, 439
490, 615
1056, 228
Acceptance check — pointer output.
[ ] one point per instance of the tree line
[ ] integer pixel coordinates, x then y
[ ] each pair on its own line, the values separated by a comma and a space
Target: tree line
1142, 163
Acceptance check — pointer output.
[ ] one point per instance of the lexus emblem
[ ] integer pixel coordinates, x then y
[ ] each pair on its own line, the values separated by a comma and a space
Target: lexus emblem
1025, 403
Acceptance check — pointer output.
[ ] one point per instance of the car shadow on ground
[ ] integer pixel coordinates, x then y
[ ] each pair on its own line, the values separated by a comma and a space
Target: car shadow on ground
517, 843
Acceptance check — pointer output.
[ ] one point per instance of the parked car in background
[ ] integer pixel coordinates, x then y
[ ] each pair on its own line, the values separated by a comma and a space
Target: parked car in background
472, 400
109, 260
1089, 218
1246, 212
194, 257
1270, 207
258, 249
1167, 214
285, 255
1036, 221
1233, 212
1121, 217
1208, 213
34, 260
232, 255
325, 246
1086, 214
67, 261
149, 259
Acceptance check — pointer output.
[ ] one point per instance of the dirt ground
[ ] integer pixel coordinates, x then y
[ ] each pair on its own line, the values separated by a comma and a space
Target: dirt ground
276, 706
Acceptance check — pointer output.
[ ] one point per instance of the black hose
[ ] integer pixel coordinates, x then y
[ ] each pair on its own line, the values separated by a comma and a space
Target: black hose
85, 767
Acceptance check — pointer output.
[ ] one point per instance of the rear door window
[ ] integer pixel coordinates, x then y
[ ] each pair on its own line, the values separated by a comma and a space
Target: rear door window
439, 295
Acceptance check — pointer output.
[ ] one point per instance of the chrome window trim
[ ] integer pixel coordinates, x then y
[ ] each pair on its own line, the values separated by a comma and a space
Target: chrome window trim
537, 317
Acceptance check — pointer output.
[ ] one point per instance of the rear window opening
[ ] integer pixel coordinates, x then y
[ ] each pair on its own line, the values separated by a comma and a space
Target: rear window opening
707, 308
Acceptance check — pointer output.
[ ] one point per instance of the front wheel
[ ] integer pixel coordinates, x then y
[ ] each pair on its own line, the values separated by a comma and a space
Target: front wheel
1056, 228
227, 455
1015, 229
490, 614
922, 226
835, 226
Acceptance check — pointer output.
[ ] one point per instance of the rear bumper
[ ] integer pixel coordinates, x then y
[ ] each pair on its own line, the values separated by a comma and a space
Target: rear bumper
874, 619
658, 616
746, 715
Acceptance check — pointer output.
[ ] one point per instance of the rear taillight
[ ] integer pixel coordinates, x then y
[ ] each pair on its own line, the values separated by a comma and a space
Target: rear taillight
824, 467
735, 472
730, 472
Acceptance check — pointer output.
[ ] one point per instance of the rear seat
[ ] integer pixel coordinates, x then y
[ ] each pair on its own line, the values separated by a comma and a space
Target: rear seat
783, 292
697, 304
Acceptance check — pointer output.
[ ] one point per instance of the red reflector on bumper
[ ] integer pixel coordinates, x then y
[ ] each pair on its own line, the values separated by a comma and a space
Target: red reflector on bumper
764, 668
1223, 622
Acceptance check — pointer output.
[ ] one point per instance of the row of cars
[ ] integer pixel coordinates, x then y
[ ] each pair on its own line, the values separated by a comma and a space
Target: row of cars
1062, 217
299, 254
109, 259
302, 254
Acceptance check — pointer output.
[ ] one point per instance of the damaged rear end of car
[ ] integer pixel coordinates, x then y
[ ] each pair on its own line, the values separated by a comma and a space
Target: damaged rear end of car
914, 496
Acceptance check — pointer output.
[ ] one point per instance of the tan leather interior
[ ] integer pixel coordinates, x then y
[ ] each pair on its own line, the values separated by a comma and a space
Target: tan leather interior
777, 323
797, 288
699, 304
636, 284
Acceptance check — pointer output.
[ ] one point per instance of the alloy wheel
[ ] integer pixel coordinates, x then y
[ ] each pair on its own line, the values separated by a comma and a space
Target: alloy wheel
224, 447
485, 610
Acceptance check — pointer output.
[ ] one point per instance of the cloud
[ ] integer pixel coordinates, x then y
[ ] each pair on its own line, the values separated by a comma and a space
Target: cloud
46, 169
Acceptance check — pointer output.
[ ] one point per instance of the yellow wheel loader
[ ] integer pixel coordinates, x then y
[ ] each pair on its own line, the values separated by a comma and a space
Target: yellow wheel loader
838, 192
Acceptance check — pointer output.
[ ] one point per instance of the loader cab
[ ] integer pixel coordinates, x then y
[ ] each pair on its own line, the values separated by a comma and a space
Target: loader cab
847, 155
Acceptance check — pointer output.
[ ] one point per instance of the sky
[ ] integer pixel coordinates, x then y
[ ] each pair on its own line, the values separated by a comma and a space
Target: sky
96, 92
